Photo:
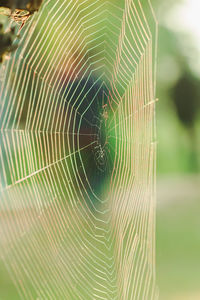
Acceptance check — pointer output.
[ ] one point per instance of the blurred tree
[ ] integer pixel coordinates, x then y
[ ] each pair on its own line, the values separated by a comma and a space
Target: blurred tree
185, 95
30, 5
6, 41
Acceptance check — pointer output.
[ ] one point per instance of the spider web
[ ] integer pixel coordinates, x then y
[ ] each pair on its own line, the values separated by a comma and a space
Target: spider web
77, 156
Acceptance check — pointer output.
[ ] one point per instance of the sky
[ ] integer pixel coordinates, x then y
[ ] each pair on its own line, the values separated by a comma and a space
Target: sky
184, 18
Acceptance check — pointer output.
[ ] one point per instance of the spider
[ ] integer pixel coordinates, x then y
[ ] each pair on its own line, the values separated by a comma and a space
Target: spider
100, 155
20, 16
19, 11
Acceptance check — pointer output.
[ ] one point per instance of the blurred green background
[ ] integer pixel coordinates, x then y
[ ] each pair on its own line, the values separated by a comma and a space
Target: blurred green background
178, 125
